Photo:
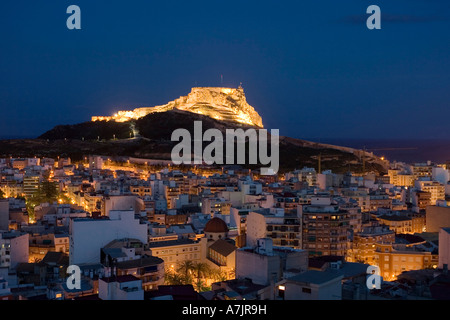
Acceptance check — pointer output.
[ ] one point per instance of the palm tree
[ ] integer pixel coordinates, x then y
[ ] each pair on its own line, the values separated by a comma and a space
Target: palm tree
219, 275
185, 270
173, 278
202, 271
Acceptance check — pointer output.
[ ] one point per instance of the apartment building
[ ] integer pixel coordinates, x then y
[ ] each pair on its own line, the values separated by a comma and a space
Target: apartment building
325, 226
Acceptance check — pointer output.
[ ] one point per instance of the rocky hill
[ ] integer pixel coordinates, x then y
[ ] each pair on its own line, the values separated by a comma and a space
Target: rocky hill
151, 139
227, 104
146, 133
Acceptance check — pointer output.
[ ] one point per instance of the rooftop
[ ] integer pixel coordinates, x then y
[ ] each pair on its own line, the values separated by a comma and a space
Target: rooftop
168, 243
59, 258
316, 277
142, 262
243, 286
394, 217
223, 247
408, 238
120, 279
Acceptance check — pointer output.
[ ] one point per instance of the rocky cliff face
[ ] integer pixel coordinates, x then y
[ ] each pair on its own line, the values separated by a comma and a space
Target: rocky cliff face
227, 104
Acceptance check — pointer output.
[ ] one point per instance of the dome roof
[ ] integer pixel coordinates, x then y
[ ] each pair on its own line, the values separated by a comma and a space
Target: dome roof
216, 225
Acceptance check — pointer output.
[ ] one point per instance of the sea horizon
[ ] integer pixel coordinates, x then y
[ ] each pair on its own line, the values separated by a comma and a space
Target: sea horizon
411, 150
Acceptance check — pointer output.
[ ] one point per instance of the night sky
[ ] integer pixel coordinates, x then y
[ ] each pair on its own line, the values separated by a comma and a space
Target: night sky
310, 68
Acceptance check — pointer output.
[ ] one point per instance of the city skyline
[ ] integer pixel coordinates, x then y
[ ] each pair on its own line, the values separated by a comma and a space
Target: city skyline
314, 71
224, 157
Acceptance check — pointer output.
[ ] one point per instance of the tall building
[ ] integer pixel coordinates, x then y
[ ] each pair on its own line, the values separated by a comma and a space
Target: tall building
420, 170
283, 228
436, 190
30, 184
325, 227
171, 193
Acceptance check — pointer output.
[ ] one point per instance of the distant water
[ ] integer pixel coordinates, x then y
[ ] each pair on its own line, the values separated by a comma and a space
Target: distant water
409, 151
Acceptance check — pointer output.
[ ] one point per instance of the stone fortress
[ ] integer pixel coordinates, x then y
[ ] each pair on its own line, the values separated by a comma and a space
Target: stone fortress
227, 104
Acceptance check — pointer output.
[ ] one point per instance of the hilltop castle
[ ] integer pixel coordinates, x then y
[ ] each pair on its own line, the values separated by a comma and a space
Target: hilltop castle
218, 103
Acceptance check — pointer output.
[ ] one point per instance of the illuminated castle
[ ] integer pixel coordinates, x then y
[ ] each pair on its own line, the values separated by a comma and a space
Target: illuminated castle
219, 103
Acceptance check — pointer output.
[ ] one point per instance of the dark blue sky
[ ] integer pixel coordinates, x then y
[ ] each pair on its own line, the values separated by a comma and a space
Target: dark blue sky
310, 68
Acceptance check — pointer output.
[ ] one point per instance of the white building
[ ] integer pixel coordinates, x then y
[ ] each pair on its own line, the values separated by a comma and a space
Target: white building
60, 214
14, 249
179, 201
284, 228
266, 264
217, 207
440, 175
95, 163
126, 287
88, 236
122, 202
248, 186
157, 187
